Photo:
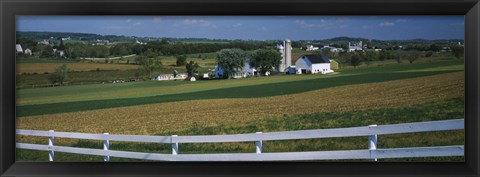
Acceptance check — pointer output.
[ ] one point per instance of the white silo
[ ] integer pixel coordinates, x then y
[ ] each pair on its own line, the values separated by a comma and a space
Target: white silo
286, 51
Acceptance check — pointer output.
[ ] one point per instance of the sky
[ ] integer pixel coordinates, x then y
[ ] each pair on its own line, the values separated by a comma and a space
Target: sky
254, 27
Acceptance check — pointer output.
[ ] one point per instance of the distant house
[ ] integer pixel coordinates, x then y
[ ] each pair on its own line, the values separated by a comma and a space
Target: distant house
18, 48
311, 48
28, 51
44, 42
245, 71
352, 47
332, 49
313, 64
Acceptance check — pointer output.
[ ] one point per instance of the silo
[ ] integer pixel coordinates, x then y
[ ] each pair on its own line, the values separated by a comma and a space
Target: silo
288, 53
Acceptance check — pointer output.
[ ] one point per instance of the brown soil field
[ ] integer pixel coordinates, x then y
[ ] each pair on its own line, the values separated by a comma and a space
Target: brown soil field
41, 68
154, 119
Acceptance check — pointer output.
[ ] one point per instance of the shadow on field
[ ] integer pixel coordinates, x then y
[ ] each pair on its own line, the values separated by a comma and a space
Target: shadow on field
255, 91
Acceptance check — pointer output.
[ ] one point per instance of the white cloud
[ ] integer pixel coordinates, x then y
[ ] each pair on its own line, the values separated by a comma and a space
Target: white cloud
237, 25
129, 20
386, 24
263, 28
324, 24
204, 23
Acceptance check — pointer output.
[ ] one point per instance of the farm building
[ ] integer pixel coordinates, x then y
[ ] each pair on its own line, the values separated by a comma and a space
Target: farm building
28, 51
313, 64
311, 48
332, 49
191, 78
166, 77
246, 71
18, 48
352, 47
286, 51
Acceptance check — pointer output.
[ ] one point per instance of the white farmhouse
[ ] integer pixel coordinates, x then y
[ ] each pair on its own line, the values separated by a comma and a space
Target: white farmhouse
28, 51
246, 71
311, 48
352, 47
313, 64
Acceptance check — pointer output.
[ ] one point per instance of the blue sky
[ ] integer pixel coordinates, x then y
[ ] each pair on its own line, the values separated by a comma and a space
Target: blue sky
254, 27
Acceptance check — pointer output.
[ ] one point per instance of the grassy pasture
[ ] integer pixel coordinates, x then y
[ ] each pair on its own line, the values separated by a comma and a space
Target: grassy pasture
73, 67
157, 118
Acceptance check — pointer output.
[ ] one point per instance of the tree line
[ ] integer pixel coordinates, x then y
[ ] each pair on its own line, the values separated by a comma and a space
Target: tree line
162, 47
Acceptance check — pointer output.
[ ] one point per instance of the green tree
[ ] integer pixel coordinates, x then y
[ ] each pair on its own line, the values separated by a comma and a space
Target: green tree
344, 59
47, 51
458, 51
355, 60
397, 56
429, 54
412, 55
230, 60
192, 68
61, 46
266, 59
181, 60
149, 63
119, 50
60, 74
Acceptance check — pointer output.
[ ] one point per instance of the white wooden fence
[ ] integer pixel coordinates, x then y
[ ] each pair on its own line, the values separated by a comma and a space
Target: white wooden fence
373, 152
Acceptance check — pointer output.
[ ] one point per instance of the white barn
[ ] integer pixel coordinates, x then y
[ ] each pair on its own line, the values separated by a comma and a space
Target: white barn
313, 64
18, 48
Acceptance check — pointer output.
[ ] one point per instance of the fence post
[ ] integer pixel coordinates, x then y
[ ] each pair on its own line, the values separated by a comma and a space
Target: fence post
106, 146
51, 153
372, 143
258, 145
174, 147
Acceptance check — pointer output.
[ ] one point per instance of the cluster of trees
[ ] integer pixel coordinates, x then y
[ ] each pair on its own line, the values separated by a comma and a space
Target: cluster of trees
150, 64
178, 48
162, 47
356, 58
233, 60
60, 74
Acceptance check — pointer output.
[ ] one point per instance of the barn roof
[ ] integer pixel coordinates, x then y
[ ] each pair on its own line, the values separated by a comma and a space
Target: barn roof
317, 58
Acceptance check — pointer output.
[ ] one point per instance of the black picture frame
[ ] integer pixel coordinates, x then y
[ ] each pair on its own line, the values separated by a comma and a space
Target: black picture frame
10, 8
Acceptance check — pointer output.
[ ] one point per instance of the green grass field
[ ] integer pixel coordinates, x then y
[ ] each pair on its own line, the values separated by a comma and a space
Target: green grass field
388, 94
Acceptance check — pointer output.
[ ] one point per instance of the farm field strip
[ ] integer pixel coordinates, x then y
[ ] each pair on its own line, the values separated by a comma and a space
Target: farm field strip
142, 89
41, 68
145, 89
255, 91
163, 117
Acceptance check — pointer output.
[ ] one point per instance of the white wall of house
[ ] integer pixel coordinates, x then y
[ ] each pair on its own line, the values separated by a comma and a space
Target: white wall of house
320, 68
246, 71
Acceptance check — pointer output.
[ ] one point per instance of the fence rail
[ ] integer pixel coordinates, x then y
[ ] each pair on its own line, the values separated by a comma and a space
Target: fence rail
371, 131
